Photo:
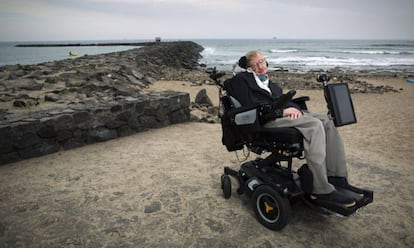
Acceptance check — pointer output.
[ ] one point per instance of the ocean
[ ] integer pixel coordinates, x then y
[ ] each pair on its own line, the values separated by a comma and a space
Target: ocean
292, 55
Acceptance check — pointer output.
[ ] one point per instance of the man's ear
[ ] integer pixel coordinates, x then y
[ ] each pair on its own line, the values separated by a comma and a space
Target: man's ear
243, 62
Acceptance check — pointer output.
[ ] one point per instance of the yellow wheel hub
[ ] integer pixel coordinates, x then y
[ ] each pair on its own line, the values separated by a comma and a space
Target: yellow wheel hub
268, 208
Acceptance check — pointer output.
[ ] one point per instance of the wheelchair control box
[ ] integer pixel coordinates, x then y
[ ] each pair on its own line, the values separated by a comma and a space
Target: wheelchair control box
340, 104
339, 101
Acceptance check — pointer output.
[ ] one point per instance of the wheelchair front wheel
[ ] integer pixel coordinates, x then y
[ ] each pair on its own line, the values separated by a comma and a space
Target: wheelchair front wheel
226, 186
272, 210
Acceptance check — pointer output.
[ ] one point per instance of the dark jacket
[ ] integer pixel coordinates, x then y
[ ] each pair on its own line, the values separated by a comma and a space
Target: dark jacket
244, 88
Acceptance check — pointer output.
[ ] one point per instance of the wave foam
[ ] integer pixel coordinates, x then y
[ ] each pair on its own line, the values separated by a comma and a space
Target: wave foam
283, 50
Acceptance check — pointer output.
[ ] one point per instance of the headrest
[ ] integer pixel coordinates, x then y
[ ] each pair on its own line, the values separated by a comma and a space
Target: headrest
243, 62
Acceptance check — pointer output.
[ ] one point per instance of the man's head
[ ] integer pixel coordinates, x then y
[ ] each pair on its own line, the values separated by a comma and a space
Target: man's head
256, 62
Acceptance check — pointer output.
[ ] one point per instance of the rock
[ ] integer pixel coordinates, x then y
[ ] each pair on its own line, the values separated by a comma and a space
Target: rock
24, 84
24, 100
202, 98
3, 113
27, 140
154, 207
19, 104
137, 74
51, 98
135, 81
102, 134
51, 80
124, 90
39, 150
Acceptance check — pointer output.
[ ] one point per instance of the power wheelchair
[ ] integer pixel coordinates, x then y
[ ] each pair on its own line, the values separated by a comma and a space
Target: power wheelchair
271, 182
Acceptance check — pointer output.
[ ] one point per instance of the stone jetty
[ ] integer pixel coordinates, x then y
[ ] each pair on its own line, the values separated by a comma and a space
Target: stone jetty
74, 102
88, 44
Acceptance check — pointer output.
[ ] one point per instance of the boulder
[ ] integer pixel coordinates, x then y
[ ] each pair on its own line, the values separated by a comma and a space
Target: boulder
203, 99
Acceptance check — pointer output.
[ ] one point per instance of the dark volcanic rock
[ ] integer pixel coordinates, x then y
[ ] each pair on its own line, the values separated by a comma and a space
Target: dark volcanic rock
23, 84
73, 102
96, 78
203, 99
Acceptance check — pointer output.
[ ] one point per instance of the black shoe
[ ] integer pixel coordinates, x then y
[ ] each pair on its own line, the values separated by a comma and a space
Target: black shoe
336, 197
342, 182
338, 181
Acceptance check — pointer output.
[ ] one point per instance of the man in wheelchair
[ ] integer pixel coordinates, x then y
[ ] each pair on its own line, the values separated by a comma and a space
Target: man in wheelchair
257, 115
322, 143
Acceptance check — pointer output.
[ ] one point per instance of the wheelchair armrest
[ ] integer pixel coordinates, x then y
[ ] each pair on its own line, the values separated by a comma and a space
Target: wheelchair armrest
238, 126
301, 102
244, 115
252, 115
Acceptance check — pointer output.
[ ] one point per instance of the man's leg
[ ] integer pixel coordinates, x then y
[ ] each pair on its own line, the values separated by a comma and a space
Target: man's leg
335, 151
314, 145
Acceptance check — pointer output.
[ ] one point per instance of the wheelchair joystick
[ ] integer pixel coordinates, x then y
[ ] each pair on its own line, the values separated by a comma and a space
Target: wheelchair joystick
216, 75
323, 78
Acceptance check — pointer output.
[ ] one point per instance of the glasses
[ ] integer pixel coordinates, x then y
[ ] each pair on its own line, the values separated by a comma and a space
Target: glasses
259, 63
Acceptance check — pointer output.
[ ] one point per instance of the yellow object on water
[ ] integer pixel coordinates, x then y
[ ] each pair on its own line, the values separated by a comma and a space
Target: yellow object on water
72, 53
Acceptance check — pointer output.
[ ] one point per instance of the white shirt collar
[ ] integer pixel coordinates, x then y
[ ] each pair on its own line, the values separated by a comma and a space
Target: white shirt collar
262, 84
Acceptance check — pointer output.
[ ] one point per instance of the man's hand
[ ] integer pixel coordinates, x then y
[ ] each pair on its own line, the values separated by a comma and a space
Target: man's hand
292, 113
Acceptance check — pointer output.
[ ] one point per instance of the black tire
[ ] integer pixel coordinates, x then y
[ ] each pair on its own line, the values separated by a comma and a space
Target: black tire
272, 210
226, 186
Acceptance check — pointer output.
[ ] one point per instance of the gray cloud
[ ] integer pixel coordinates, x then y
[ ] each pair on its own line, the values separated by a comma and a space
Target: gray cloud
144, 19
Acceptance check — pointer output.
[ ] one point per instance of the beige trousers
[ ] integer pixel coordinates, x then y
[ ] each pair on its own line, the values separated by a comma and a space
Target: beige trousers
323, 146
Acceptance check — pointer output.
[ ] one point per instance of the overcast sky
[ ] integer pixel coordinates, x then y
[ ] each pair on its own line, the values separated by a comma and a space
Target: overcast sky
37, 20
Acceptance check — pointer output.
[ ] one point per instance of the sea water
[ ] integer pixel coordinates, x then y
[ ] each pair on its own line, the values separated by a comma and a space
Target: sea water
12, 55
291, 55
305, 55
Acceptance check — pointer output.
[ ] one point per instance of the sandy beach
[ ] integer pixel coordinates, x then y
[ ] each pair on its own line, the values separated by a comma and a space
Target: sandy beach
161, 188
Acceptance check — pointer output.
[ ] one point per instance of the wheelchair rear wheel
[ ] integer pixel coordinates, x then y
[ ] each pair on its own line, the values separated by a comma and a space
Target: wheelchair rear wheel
226, 186
272, 210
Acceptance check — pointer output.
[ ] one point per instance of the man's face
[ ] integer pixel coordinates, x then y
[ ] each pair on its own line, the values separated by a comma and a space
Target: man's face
259, 65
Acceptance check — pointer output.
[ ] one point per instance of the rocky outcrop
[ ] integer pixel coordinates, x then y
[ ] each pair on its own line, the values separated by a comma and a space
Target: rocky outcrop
74, 102
96, 78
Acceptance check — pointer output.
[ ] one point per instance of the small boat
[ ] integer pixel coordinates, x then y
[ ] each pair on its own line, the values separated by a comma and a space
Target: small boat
410, 80
73, 53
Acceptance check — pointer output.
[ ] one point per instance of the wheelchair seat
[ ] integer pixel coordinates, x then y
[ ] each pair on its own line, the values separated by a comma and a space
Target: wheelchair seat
243, 126
280, 135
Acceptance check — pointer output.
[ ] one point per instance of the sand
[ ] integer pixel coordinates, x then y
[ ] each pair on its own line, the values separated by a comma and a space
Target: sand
161, 188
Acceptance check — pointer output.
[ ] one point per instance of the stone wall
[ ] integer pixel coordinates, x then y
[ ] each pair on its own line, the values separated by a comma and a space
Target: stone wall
43, 132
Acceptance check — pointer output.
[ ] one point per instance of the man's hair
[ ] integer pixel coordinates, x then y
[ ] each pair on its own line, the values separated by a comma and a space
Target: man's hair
251, 55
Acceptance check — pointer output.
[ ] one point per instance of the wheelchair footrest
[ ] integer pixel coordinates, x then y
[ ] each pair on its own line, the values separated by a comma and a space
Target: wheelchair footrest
362, 198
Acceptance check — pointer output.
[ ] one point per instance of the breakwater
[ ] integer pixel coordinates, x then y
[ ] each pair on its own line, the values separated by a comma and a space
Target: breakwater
65, 104
88, 44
